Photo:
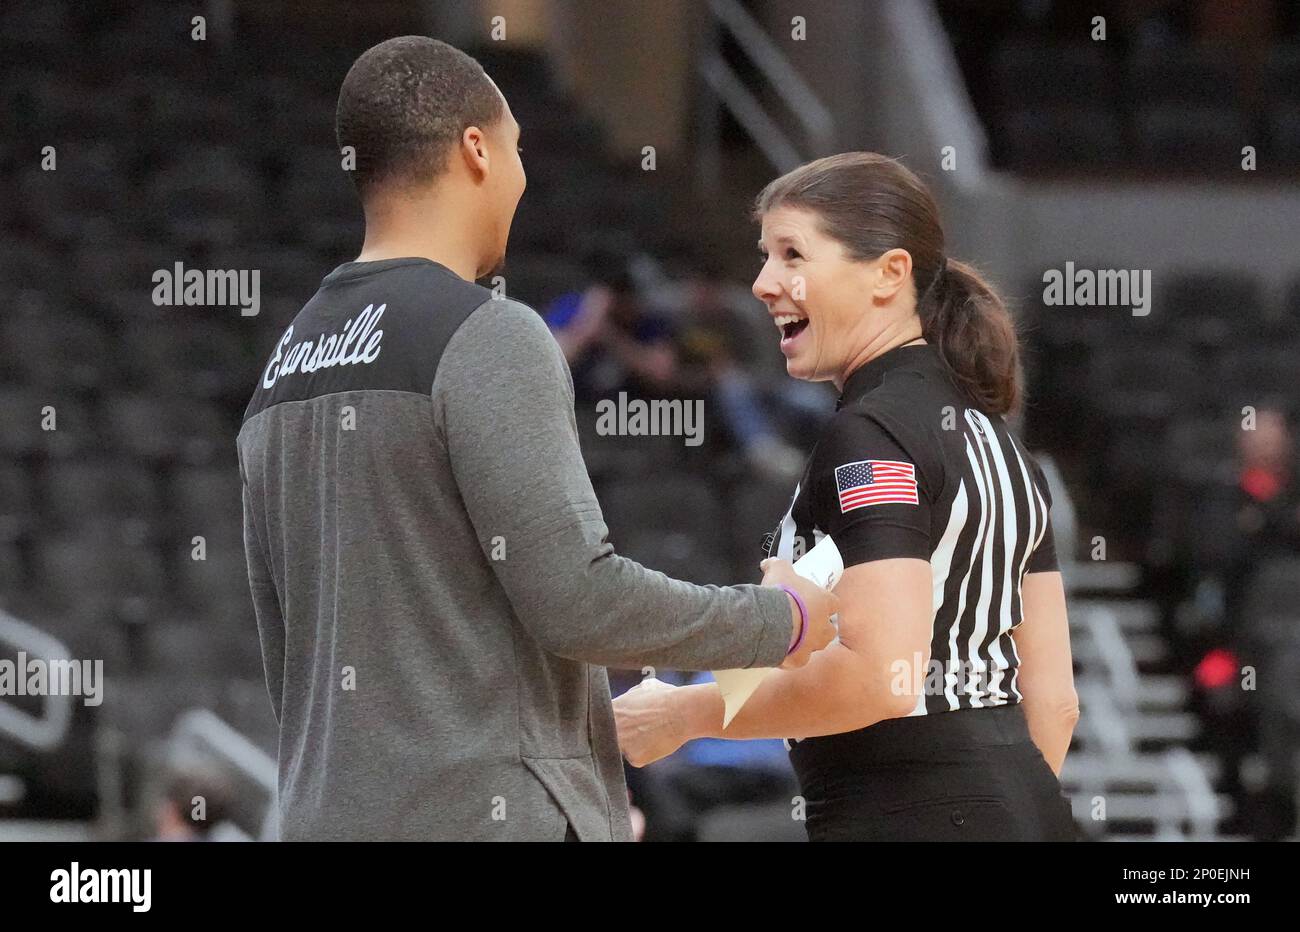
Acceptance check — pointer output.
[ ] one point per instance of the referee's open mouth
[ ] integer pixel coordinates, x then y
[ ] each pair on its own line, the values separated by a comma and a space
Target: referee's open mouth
791, 325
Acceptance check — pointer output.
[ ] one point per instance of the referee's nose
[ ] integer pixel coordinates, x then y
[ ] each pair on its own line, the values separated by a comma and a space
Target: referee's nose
767, 286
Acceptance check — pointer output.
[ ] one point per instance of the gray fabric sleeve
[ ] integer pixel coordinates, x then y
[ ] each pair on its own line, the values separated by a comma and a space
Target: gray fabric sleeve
503, 405
266, 605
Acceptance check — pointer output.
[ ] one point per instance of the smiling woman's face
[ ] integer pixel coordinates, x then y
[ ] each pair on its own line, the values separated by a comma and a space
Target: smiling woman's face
816, 295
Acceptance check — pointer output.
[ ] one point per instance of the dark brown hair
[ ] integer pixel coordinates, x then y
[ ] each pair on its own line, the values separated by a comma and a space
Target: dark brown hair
870, 204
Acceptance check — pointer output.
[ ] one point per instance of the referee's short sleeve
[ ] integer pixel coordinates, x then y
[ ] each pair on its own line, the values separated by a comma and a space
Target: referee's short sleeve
870, 488
1043, 559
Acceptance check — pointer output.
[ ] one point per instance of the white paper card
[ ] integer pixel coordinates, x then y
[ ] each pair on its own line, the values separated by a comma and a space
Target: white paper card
823, 566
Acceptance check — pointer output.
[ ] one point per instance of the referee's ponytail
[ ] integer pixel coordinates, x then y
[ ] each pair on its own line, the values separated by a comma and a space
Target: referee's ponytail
870, 203
964, 317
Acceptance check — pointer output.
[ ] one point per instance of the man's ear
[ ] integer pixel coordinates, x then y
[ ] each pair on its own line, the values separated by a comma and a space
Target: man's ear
893, 272
474, 150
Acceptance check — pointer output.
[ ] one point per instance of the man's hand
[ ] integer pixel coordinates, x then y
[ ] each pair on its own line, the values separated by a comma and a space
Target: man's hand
649, 726
821, 604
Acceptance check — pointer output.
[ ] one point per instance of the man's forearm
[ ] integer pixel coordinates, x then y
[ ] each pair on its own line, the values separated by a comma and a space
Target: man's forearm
512, 441
615, 612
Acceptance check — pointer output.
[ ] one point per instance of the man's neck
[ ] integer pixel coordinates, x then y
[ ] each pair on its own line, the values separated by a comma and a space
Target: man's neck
397, 229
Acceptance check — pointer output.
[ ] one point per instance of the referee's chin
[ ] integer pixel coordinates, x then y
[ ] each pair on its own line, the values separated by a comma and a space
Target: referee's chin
804, 371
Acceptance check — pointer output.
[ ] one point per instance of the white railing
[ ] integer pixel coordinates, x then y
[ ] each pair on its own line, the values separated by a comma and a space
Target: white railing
45, 732
204, 731
1121, 709
726, 90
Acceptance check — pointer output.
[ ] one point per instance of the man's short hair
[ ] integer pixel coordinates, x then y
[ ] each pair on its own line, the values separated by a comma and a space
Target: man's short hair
404, 105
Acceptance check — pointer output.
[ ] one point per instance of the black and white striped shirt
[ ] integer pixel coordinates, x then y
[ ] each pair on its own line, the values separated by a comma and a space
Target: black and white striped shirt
910, 467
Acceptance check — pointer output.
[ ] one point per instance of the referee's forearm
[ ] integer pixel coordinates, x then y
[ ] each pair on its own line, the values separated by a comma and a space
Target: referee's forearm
833, 693
1051, 726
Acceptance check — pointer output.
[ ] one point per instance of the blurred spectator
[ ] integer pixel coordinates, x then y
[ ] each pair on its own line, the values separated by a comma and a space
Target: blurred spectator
1261, 631
690, 339
726, 339
1268, 517
193, 806
611, 341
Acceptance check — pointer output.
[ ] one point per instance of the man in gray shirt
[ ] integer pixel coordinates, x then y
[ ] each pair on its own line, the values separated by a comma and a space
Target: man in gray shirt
434, 592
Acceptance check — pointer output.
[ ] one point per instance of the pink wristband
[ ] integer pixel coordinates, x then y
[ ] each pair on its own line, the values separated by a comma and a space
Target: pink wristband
803, 619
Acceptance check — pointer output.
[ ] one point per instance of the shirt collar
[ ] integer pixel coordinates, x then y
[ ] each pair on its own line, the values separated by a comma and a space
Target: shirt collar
359, 269
869, 375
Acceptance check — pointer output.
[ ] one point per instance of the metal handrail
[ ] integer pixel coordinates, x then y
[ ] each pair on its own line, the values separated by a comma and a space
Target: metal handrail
204, 726
1115, 652
749, 113
813, 117
1202, 803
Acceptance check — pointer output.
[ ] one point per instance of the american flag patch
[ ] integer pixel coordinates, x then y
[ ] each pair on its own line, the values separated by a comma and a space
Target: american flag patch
875, 482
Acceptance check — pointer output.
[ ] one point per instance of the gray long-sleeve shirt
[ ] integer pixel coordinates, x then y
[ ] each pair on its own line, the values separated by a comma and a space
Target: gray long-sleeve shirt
433, 588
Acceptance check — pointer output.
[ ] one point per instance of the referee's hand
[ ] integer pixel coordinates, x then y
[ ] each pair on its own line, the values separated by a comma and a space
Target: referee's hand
821, 604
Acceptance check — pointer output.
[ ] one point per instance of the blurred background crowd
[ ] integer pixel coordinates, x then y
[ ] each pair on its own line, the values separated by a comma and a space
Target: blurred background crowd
1156, 136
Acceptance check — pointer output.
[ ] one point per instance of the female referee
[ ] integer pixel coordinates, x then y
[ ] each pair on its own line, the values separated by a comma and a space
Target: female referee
945, 709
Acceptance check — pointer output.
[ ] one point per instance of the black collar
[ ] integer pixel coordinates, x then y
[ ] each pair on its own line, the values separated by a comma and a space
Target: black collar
869, 375
356, 269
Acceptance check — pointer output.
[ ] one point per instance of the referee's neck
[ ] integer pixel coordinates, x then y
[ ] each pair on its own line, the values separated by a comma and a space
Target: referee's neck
888, 339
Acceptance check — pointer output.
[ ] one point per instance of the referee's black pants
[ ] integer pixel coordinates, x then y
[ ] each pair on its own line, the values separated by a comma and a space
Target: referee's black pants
968, 775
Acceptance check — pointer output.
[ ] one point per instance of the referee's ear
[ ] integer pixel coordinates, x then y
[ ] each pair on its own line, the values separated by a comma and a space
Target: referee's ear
893, 272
